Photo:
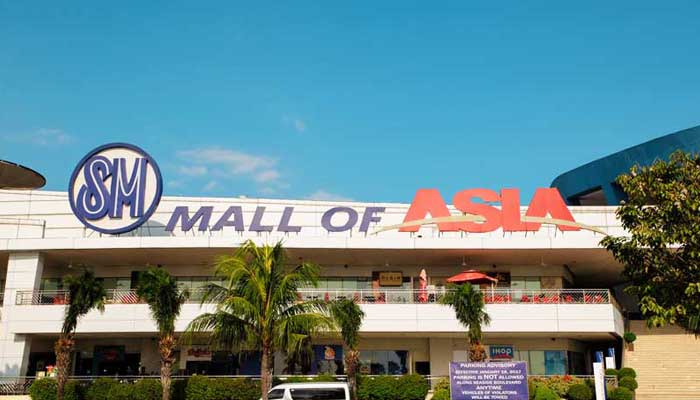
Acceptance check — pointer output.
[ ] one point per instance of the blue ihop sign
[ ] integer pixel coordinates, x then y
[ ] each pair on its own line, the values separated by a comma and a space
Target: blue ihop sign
115, 188
488, 380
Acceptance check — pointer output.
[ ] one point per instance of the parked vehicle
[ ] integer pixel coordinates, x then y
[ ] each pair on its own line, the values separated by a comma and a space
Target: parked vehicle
310, 391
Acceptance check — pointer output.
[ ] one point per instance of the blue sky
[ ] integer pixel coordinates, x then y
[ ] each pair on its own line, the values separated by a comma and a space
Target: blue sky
353, 100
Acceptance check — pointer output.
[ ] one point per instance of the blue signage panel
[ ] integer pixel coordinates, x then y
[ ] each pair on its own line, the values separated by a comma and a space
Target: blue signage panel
488, 381
499, 352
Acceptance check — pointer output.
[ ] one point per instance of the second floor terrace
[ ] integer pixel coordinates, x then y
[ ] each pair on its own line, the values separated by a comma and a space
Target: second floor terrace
590, 312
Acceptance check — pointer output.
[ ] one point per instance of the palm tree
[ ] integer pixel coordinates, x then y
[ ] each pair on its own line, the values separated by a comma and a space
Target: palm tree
85, 293
257, 306
159, 289
468, 304
348, 316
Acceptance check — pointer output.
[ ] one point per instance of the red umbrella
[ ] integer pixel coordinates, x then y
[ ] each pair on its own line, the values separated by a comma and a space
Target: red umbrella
471, 276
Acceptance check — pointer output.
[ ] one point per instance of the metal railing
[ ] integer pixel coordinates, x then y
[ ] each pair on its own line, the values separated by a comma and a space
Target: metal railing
361, 296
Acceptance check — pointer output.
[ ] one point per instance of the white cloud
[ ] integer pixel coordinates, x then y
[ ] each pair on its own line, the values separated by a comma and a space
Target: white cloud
210, 186
222, 164
193, 170
41, 137
327, 196
236, 162
267, 175
298, 124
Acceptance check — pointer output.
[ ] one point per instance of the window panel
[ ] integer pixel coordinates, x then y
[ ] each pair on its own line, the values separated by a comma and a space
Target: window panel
537, 362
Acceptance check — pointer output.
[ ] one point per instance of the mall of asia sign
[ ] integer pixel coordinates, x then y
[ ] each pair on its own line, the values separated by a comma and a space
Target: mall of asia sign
117, 187
488, 380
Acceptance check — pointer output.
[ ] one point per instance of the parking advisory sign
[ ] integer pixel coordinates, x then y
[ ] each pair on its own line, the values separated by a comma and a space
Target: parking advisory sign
488, 381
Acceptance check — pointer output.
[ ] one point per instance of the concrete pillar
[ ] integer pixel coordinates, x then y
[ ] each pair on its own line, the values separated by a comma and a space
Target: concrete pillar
440, 356
24, 271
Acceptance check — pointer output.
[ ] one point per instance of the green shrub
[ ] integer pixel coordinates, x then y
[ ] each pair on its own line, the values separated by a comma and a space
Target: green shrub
531, 388
43, 389
542, 392
629, 383
580, 391
377, 388
623, 372
324, 378
443, 384
620, 393
197, 387
629, 337
412, 387
74, 391
100, 389
441, 394
178, 389
148, 389
611, 372
232, 389
121, 391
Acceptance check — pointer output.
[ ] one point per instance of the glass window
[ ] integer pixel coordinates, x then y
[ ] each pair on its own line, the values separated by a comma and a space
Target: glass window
318, 394
275, 394
525, 282
555, 362
384, 362
537, 362
51, 284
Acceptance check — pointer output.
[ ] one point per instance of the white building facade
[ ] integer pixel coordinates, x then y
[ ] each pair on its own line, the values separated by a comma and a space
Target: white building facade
552, 305
548, 291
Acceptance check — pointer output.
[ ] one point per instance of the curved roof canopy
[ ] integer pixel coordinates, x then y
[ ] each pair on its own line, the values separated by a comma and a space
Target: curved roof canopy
594, 183
15, 176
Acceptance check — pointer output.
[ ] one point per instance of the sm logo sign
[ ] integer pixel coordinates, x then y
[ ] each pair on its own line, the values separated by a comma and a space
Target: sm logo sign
115, 188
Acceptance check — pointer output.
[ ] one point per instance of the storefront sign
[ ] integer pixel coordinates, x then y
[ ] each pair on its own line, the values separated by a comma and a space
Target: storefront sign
477, 216
390, 279
498, 352
198, 354
115, 188
488, 381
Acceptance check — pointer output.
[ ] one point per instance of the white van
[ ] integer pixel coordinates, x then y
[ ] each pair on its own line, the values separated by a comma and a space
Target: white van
310, 391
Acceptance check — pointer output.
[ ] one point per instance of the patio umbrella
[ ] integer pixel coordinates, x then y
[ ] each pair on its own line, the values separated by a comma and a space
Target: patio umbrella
423, 285
472, 276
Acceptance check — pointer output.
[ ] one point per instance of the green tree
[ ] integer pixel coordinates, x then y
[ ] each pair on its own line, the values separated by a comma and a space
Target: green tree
85, 293
661, 253
348, 316
159, 289
468, 304
257, 306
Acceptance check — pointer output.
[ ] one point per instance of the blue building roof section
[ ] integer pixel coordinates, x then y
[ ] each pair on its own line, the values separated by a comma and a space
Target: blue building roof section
600, 175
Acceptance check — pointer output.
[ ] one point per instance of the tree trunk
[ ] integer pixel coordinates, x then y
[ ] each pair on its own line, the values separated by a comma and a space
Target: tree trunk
165, 346
477, 353
63, 347
351, 360
265, 374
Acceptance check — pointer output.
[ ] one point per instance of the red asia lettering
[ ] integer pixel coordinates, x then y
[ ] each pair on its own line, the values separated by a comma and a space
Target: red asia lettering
428, 205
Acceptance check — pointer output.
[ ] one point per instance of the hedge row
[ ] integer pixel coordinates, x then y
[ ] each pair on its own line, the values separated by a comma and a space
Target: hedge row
407, 387
194, 388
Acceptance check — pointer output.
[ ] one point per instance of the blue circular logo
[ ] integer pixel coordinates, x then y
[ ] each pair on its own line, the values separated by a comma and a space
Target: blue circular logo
115, 188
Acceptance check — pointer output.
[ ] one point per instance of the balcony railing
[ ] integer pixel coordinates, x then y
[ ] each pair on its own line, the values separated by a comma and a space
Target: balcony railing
362, 296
